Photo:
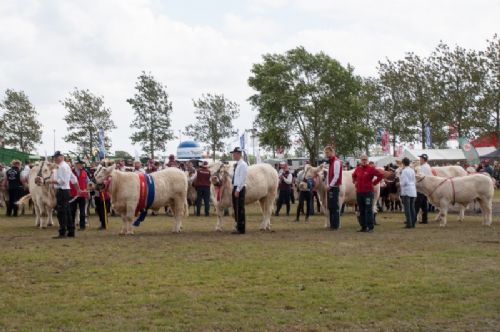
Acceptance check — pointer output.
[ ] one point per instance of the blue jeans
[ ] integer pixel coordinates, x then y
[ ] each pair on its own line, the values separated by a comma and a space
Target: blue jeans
409, 206
365, 206
203, 193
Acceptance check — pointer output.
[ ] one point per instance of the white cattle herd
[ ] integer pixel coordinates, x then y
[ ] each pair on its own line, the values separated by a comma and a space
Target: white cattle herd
450, 185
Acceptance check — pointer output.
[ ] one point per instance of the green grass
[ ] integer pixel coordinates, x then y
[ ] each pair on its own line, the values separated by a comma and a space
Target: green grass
300, 277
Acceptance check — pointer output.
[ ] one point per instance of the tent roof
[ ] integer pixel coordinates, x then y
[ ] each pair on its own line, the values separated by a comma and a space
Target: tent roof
382, 161
435, 154
483, 151
493, 154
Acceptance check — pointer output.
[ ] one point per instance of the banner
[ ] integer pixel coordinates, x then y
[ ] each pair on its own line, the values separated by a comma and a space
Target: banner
242, 141
469, 151
386, 142
102, 148
428, 137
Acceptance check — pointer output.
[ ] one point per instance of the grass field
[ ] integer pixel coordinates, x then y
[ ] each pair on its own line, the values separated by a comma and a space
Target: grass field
299, 277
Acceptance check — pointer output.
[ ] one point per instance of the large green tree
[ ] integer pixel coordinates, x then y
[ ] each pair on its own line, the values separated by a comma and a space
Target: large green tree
214, 121
152, 110
86, 116
19, 126
313, 94
460, 78
491, 93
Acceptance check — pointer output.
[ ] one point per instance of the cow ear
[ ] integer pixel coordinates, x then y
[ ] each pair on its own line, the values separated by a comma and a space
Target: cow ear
53, 167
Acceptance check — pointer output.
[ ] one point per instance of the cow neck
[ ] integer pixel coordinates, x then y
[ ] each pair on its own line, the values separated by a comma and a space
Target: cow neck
440, 184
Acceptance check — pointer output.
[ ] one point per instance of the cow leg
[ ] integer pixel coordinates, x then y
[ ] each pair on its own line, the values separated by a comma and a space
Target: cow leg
461, 213
38, 222
178, 211
266, 207
50, 221
486, 210
219, 211
443, 212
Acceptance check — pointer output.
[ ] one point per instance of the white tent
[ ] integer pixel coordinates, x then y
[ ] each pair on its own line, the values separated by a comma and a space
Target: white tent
446, 155
485, 150
381, 161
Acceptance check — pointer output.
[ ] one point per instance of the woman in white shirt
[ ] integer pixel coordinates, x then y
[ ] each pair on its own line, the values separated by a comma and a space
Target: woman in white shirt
408, 193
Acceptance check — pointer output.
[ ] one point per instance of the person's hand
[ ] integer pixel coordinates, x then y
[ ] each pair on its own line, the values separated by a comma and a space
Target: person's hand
236, 194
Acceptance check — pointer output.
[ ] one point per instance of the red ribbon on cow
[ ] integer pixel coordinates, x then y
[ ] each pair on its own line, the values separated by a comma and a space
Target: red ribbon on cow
218, 191
142, 194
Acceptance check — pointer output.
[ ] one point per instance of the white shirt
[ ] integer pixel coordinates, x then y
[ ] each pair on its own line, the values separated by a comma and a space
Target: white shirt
336, 172
408, 183
240, 175
64, 175
425, 169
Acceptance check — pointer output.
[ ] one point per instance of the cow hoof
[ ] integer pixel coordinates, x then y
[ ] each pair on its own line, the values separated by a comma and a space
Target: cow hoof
218, 229
130, 233
121, 234
442, 225
44, 227
50, 225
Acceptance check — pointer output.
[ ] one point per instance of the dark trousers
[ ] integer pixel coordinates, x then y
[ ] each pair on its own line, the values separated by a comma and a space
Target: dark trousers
292, 196
99, 209
304, 197
14, 195
64, 212
365, 208
79, 204
284, 198
409, 207
203, 193
315, 198
333, 207
421, 203
239, 210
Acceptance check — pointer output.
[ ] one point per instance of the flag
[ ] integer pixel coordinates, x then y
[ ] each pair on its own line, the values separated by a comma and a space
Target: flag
428, 137
386, 142
469, 151
258, 159
242, 141
102, 148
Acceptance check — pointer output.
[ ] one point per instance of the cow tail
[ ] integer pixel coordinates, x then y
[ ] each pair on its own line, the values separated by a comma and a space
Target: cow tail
23, 199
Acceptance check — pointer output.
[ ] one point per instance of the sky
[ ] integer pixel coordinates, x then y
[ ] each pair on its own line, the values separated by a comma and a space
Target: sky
49, 47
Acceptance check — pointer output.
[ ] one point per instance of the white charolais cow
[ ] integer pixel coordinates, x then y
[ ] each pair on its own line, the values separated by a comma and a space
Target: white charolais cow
43, 195
261, 186
444, 192
171, 187
347, 192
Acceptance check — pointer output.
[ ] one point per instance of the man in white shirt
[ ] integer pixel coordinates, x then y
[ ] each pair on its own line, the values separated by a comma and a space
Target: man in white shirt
239, 183
63, 177
421, 200
408, 193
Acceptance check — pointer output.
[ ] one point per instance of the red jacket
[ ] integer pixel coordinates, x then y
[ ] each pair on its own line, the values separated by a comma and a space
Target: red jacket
82, 182
331, 165
363, 178
202, 178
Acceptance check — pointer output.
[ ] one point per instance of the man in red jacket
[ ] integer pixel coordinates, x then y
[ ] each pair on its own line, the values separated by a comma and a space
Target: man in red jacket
81, 198
362, 177
202, 185
334, 182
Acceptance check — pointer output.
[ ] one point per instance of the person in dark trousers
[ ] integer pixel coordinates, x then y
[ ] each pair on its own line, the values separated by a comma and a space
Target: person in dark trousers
334, 181
421, 202
14, 186
202, 185
239, 182
285, 188
363, 178
305, 186
79, 201
408, 193
61, 184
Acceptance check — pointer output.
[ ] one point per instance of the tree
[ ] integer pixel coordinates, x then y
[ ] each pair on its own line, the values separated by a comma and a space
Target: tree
86, 116
19, 126
370, 101
273, 131
314, 97
460, 79
491, 94
214, 117
152, 111
123, 155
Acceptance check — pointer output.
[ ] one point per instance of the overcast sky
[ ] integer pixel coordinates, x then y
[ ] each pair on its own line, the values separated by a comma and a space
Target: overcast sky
48, 47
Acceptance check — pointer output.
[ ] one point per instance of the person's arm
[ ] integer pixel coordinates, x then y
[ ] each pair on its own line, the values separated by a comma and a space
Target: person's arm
354, 176
379, 176
289, 179
193, 177
336, 173
242, 176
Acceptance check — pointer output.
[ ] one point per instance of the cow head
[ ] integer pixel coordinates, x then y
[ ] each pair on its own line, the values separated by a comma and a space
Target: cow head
314, 172
102, 174
220, 171
44, 172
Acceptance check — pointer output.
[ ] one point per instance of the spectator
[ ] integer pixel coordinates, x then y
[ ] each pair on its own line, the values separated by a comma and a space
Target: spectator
285, 188
408, 193
79, 201
363, 178
14, 187
202, 185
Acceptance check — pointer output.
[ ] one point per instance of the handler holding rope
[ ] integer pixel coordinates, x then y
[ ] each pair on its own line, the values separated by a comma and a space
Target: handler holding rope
239, 182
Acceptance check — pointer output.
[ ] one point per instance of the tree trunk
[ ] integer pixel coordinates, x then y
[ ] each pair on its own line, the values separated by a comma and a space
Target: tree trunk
213, 151
151, 147
498, 125
423, 136
394, 145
